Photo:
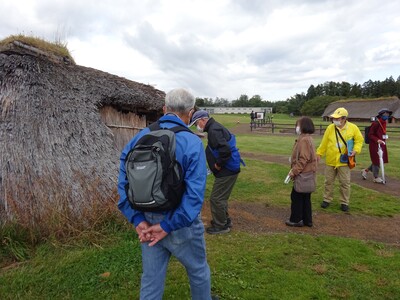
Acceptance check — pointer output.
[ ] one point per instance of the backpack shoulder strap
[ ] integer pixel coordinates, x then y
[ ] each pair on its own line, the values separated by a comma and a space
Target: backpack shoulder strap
154, 126
179, 128
175, 129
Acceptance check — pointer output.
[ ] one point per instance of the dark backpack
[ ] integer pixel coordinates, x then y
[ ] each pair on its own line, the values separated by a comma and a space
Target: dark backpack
366, 132
155, 177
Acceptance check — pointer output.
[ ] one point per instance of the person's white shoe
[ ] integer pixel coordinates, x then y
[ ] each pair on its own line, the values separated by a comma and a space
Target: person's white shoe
378, 180
364, 174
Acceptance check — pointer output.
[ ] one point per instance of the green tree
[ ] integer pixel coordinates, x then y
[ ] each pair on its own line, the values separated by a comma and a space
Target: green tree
295, 103
397, 93
389, 87
319, 90
311, 92
344, 89
222, 102
203, 102
200, 102
331, 88
256, 101
281, 107
317, 105
243, 101
355, 90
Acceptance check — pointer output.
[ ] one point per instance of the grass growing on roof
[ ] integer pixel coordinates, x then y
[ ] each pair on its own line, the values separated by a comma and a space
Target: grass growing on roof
56, 47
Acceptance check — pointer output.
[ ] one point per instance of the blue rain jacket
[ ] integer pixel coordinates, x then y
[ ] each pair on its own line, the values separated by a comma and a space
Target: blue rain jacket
190, 154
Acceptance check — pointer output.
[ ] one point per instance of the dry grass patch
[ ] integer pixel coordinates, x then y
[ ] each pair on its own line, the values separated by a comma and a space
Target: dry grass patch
320, 269
360, 268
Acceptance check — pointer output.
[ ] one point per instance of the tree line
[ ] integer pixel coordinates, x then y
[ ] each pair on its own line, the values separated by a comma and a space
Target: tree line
317, 98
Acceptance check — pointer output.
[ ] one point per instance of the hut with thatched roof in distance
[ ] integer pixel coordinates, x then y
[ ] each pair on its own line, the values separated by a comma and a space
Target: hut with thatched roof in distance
62, 127
364, 109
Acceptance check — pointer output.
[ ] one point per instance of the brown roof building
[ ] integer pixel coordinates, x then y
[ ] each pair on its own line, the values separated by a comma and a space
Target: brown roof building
364, 109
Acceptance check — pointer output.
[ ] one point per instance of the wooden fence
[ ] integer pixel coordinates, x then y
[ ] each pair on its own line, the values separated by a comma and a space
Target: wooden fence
319, 129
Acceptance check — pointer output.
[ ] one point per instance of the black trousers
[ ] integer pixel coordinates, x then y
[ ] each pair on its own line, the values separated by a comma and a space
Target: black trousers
301, 207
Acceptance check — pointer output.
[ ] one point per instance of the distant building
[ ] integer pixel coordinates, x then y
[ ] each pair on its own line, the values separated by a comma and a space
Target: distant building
364, 109
236, 110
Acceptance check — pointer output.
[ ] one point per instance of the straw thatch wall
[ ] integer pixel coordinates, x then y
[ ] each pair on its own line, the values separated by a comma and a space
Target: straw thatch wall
364, 109
54, 146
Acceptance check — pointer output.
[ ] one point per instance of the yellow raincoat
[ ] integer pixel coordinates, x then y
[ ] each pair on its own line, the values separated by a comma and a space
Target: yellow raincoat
329, 144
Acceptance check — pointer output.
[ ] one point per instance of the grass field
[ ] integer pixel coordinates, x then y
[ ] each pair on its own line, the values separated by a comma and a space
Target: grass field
244, 265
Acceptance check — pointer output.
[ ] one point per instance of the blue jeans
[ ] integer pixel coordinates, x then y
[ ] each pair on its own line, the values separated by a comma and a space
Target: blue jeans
188, 246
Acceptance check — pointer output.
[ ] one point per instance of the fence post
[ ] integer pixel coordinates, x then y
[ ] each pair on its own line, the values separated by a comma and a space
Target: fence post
272, 127
320, 129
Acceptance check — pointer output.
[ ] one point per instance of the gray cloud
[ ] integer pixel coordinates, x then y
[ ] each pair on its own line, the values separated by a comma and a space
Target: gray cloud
171, 55
271, 48
188, 61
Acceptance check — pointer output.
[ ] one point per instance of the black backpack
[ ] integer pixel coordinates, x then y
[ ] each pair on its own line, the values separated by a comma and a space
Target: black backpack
366, 132
155, 177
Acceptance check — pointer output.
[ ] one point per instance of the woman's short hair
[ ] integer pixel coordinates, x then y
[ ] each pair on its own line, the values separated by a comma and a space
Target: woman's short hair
306, 125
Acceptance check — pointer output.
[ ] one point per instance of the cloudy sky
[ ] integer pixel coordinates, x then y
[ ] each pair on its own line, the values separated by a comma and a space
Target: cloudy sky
223, 48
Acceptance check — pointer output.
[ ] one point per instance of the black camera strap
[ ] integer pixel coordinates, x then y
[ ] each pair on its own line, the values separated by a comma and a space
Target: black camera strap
337, 140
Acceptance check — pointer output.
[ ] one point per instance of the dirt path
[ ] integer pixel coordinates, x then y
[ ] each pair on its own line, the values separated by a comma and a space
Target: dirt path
258, 218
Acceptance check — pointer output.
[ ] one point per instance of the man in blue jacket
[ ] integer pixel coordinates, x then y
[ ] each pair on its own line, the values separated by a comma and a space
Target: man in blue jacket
178, 232
224, 160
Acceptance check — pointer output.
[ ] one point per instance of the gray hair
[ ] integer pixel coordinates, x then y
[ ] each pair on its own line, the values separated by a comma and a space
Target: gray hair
179, 100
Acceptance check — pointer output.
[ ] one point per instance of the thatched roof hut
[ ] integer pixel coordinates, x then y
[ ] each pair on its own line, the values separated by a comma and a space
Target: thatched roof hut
364, 109
62, 127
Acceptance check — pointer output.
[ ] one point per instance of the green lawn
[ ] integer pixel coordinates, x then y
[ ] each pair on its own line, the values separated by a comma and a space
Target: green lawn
107, 265
243, 266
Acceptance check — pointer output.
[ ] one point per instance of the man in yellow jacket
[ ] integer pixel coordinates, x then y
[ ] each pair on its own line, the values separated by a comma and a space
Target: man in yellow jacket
333, 145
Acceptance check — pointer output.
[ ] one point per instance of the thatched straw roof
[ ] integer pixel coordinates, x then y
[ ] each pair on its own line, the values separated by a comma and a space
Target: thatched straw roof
364, 109
52, 141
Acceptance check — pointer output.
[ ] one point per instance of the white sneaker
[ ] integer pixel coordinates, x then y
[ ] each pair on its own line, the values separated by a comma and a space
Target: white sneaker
364, 174
378, 180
